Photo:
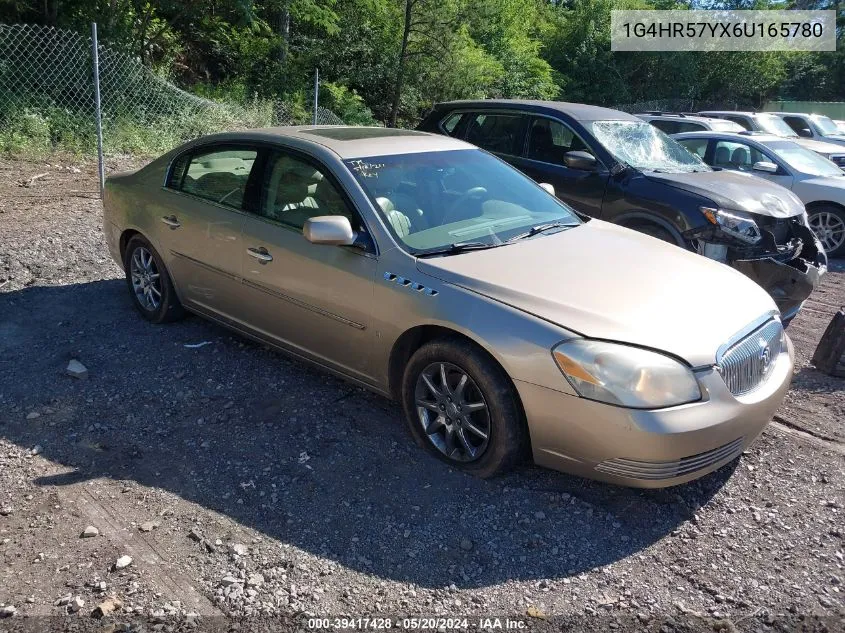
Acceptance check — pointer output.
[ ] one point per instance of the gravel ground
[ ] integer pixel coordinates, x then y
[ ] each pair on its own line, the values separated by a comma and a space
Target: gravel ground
242, 483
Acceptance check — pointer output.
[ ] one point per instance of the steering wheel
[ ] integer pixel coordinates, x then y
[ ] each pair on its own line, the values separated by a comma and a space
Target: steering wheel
467, 195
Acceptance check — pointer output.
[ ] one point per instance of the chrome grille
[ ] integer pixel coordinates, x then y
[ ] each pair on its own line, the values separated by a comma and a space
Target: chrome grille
745, 365
637, 469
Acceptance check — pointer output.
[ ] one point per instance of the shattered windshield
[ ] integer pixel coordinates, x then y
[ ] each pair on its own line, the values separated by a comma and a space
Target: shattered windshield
644, 147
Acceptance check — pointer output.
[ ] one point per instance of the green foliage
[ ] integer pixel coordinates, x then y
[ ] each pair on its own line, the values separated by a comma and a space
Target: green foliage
386, 59
346, 103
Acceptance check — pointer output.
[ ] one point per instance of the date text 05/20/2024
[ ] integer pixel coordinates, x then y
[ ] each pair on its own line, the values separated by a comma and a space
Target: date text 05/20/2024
418, 623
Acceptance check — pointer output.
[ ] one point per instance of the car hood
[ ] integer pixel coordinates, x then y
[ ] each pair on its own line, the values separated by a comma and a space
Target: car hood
735, 190
820, 147
604, 281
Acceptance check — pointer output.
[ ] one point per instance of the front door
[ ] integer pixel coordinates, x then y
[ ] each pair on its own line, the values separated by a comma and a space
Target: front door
201, 215
313, 299
740, 156
548, 141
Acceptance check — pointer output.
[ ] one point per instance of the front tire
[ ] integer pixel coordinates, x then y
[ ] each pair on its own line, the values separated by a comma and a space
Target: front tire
149, 283
461, 406
828, 223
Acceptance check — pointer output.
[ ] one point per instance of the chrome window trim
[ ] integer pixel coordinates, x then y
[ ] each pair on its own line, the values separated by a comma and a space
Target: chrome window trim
266, 145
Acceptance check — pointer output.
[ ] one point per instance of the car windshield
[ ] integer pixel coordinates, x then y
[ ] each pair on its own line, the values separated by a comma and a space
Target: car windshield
434, 200
804, 160
774, 125
826, 125
644, 147
723, 125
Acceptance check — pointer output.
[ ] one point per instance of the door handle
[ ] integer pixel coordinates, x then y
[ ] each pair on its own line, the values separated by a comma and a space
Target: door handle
171, 221
260, 254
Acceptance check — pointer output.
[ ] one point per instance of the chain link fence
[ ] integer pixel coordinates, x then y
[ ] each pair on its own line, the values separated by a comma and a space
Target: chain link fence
47, 90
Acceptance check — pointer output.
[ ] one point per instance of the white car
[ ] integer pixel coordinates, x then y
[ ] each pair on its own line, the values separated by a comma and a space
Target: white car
771, 123
815, 126
818, 182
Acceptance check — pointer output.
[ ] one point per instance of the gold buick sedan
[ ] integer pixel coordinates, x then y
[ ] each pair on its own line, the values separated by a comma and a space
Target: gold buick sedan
428, 270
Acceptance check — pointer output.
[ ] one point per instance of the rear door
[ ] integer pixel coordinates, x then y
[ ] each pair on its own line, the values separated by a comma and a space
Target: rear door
501, 133
206, 194
742, 157
548, 141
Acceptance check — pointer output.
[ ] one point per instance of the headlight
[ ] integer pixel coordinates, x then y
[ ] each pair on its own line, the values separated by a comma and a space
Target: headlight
625, 376
735, 223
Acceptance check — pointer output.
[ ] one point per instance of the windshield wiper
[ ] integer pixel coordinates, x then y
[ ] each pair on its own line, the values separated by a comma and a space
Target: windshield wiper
459, 247
539, 228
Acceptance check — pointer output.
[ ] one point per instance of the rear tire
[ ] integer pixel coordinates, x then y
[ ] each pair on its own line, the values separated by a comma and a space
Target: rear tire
149, 283
828, 223
474, 421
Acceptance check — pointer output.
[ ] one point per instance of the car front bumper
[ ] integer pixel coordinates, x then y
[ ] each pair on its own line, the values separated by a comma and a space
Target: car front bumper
651, 448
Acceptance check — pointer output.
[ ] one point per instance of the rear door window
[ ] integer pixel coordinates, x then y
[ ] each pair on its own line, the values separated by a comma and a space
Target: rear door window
669, 127
219, 175
689, 126
499, 133
740, 120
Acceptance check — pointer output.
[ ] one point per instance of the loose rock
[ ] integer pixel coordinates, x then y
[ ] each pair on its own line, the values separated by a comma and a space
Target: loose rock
123, 562
90, 532
107, 607
77, 370
8, 611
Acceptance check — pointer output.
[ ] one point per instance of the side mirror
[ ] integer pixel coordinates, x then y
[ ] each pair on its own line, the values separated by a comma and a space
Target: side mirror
805, 132
329, 229
580, 160
765, 166
547, 187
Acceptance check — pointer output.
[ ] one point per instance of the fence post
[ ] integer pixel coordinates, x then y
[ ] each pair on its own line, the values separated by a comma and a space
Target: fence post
316, 92
97, 113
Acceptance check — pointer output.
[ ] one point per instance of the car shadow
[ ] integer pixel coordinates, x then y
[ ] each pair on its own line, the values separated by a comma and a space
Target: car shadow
293, 452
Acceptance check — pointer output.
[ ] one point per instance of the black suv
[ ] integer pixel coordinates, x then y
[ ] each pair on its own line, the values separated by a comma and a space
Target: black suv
614, 166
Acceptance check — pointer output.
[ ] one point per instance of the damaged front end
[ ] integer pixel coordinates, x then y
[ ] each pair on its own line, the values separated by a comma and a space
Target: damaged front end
781, 254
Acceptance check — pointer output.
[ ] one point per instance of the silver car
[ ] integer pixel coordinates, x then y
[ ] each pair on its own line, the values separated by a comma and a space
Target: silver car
431, 272
818, 182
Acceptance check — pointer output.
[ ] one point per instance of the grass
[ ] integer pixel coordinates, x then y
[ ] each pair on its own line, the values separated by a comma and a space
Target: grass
27, 131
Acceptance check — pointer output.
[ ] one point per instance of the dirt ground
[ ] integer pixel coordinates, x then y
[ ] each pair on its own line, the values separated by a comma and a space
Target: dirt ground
243, 483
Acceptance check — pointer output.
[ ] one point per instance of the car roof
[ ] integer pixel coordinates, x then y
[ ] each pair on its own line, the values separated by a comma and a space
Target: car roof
739, 112
578, 111
695, 118
350, 141
731, 136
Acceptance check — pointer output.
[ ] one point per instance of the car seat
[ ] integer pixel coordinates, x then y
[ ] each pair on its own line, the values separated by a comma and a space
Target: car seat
722, 157
739, 158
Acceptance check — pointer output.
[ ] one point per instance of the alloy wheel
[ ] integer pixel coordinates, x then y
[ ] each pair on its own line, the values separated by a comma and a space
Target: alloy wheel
829, 228
146, 280
452, 411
